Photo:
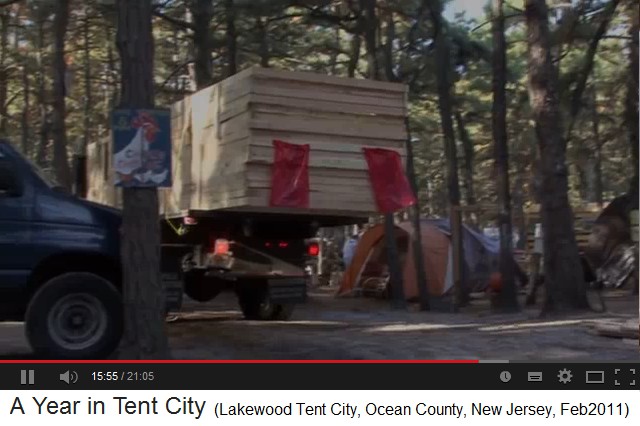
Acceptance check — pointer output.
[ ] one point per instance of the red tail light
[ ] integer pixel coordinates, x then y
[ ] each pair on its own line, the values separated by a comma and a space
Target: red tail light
313, 249
221, 247
283, 244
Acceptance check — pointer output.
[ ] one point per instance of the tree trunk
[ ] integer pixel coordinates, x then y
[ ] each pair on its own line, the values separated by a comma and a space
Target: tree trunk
597, 152
112, 81
368, 7
60, 91
396, 282
43, 132
445, 107
81, 158
388, 48
202, 13
631, 103
232, 38
88, 100
144, 301
354, 57
335, 50
469, 155
507, 298
21, 35
4, 66
564, 280
188, 17
414, 214
25, 121
261, 26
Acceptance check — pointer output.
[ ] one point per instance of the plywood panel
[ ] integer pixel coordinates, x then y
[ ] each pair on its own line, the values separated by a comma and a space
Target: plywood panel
291, 103
317, 159
261, 174
178, 197
318, 199
323, 142
339, 117
365, 95
260, 198
310, 77
356, 127
295, 91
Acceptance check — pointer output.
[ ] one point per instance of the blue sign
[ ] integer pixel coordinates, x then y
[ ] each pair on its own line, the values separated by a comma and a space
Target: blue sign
142, 148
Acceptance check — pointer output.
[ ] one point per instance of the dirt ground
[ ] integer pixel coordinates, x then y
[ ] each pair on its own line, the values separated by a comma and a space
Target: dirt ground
330, 328
362, 328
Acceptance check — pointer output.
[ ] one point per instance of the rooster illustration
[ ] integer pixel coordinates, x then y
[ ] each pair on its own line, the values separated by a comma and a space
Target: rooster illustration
137, 161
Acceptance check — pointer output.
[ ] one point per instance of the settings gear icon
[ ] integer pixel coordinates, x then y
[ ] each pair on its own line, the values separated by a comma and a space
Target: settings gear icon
564, 376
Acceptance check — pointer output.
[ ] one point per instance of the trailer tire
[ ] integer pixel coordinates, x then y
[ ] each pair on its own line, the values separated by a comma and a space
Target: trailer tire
256, 306
75, 316
198, 288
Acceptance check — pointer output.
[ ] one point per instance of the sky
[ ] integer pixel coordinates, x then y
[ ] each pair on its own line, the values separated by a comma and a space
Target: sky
473, 8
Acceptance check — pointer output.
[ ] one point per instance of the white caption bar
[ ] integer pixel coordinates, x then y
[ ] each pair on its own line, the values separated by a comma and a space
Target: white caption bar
278, 408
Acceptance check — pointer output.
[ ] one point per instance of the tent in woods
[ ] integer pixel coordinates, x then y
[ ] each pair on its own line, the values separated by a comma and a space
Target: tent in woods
481, 258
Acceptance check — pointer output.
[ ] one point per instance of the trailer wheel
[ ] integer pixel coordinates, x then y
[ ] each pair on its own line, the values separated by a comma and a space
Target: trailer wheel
256, 306
198, 287
75, 316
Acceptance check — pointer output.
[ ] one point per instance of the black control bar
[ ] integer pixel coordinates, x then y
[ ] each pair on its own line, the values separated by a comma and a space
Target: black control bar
320, 376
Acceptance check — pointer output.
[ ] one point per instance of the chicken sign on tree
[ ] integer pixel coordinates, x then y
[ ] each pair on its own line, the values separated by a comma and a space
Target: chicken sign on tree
142, 148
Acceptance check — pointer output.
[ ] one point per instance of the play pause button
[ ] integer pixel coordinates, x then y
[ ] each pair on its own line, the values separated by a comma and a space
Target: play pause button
27, 377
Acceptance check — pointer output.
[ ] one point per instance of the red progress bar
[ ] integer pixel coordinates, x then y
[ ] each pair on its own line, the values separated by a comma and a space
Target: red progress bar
248, 361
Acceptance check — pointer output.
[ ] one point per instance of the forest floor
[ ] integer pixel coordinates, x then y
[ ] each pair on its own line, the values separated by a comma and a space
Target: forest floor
363, 328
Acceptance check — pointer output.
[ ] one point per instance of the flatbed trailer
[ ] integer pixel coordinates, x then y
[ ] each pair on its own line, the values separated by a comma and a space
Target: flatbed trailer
223, 227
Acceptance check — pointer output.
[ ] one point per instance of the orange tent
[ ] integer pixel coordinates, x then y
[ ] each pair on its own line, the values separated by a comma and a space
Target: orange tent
436, 249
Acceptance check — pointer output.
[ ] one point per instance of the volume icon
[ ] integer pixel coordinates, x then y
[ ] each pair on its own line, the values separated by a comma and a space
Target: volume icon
69, 377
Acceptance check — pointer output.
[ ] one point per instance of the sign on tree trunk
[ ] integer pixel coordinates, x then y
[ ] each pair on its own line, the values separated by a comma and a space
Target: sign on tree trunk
142, 148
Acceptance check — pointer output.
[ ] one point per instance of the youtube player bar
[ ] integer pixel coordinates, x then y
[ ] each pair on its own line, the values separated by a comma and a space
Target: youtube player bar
400, 375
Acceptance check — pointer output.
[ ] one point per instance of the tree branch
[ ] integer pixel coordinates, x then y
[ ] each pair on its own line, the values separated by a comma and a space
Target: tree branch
576, 95
9, 117
4, 3
174, 73
175, 21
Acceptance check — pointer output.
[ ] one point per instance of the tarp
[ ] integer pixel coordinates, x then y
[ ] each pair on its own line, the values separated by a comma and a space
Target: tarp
290, 175
480, 251
481, 257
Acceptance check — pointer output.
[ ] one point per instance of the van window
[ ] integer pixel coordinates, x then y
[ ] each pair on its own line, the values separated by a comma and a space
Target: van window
45, 176
7, 175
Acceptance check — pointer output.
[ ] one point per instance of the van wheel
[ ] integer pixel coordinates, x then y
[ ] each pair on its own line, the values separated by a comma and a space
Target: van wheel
256, 306
75, 316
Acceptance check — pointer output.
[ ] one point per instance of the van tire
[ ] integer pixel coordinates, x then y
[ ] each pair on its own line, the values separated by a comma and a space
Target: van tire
75, 316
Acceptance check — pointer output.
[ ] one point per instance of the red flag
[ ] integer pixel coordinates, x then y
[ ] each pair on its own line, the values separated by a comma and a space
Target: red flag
390, 185
290, 175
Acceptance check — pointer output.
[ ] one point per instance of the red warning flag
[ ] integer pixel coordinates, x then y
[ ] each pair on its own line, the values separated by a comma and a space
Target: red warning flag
390, 185
290, 175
